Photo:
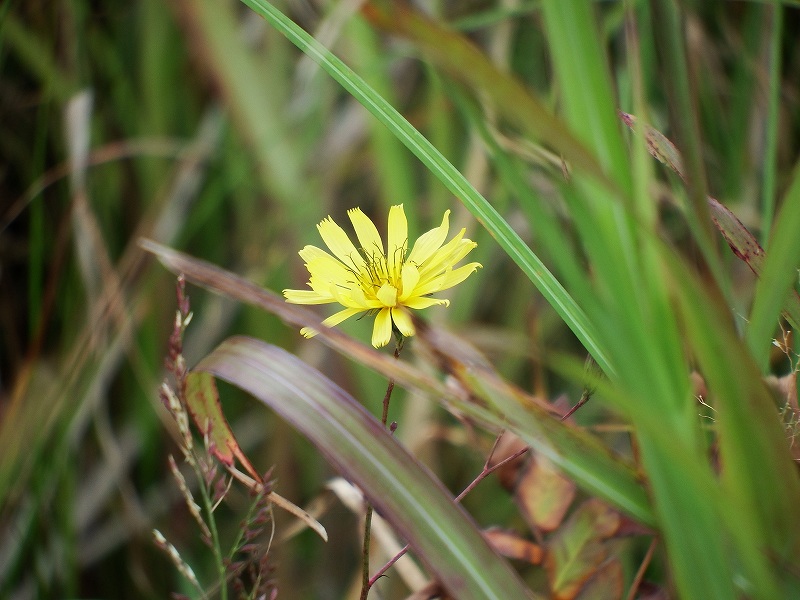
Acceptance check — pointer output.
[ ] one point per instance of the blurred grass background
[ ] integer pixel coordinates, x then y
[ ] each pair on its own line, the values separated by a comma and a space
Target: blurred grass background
195, 123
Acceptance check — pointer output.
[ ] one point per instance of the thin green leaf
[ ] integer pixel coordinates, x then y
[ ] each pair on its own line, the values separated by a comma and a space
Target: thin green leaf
778, 276
759, 479
254, 105
772, 121
683, 116
640, 331
506, 237
589, 106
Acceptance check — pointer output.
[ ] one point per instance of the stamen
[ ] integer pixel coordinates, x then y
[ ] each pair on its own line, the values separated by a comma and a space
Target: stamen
399, 261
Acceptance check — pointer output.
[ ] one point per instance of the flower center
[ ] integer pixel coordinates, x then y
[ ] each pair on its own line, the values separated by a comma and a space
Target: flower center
376, 270
379, 278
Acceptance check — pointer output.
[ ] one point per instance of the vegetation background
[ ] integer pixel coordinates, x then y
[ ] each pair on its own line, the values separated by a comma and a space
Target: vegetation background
198, 124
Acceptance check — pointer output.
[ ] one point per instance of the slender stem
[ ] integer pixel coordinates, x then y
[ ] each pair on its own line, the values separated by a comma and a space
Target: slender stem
366, 582
389, 564
390, 388
216, 547
386, 398
584, 399
591, 369
637, 580
485, 472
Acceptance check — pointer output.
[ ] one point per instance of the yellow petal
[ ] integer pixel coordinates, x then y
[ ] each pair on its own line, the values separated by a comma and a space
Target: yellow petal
334, 319
409, 279
309, 253
463, 248
444, 260
367, 233
429, 242
397, 240
402, 321
425, 302
327, 268
306, 297
443, 256
447, 279
323, 288
357, 297
340, 316
387, 295
346, 298
336, 239
382, 331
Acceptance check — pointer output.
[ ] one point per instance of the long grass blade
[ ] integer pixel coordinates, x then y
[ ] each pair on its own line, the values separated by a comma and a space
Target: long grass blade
504, 234
778, 277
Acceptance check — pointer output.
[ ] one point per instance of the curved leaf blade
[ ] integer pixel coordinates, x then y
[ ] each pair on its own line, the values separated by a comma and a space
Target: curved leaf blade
357, 445
779, 276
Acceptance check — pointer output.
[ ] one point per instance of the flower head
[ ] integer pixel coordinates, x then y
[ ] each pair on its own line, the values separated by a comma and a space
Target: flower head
386, 281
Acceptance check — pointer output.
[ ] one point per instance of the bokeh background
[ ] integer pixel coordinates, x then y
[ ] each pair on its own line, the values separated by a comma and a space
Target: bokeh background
194, 123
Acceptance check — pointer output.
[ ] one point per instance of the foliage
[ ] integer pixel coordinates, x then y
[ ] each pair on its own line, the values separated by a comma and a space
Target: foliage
228, 131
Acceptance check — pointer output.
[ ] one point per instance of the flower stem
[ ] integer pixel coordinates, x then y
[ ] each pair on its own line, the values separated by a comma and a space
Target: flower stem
366, 582
390, 388
216, 546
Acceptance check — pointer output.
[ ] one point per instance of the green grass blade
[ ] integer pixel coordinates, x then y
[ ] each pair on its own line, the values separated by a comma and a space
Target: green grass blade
586, 84
634, 314
255, 103
778, 277
773, 111
758, 476
506, 237
683, 115
393, 162
364, 451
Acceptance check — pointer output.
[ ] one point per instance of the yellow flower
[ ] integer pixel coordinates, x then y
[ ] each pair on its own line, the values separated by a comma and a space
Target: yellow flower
385, 282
